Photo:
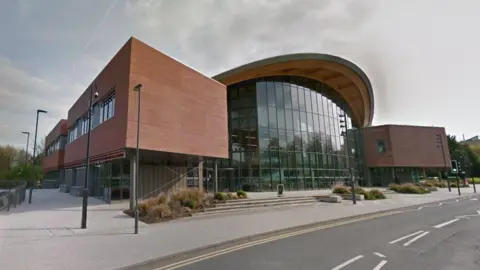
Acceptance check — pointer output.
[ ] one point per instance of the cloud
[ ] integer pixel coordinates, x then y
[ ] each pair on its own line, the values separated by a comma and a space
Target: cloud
21, 94
421, 57
219, 35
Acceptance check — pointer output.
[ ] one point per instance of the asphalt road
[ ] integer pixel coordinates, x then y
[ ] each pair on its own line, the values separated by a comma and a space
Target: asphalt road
436, 236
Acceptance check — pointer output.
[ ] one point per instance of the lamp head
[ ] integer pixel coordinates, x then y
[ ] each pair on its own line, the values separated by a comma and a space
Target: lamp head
95, 95
138, 87
41, 111
26, 132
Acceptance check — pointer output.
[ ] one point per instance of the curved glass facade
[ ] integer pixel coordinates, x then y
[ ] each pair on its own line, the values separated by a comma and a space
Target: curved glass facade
286, 130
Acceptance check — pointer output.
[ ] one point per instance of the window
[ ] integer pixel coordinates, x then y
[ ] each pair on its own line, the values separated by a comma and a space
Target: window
381, 146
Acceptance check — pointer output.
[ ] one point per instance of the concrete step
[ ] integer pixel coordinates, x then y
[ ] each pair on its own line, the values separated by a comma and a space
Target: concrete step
266, 200
263, 201
216, 211
223, 207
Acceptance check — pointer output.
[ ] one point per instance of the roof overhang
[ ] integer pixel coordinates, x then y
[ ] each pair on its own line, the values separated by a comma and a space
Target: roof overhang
342, 75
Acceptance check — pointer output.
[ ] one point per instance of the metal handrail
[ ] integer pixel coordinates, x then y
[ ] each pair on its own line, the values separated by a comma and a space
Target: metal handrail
160, 189
13, 195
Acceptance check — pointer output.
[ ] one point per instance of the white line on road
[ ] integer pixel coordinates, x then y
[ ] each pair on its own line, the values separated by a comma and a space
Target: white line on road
415, 239
478, 211
380, 265
405, 237
474, 199
348, 262
457, 200
446, 223
440, 204
420, 208
379, 254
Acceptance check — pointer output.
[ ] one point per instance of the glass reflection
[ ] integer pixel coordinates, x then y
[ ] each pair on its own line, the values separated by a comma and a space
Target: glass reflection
285, 130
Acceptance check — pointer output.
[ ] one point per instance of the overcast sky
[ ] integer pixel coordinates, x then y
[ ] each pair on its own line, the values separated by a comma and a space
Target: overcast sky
421, 55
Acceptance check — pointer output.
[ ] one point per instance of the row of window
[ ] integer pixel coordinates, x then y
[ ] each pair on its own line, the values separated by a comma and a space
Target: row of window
101, 112
56, 145
291, 96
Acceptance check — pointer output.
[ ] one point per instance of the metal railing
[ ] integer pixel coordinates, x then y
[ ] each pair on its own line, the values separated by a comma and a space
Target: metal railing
13, 194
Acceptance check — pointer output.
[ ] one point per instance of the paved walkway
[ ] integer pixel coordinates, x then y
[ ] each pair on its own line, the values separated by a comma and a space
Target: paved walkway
46, 234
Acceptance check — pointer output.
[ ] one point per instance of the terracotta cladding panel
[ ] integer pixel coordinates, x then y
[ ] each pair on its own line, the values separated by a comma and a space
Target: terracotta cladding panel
373, 158
415, 146
182, 111
54, 161
110, 135
61, 128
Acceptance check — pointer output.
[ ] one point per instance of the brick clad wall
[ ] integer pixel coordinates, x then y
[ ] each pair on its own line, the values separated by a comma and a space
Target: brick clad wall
406, 146
182, 111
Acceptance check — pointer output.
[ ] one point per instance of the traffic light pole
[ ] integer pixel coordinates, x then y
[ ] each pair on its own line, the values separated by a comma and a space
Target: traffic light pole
440, 143
350, 170
458, 185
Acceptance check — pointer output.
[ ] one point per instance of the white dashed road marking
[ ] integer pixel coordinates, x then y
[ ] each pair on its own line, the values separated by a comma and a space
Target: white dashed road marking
380, 265
445, 223
340, 266
415, 239
405, 237
379, 254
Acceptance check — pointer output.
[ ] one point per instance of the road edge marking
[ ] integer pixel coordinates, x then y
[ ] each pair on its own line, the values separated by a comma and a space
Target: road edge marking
213, 254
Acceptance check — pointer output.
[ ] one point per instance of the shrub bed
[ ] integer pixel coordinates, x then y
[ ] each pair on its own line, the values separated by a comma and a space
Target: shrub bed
241, 194
373, 194
408, 188
341, 190
181, 203
438, 184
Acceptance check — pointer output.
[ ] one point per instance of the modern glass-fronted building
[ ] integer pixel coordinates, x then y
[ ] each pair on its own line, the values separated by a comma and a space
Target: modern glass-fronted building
269, 122
286, 130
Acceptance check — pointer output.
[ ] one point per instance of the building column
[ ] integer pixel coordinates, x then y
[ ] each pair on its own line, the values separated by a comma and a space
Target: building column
215, 178
133, 180
200, 174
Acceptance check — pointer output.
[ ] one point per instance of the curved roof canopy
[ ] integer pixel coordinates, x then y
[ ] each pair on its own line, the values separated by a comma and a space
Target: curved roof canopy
340, 74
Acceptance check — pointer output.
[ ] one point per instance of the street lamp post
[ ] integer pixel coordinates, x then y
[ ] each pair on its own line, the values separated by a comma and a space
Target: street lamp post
87, 162
26, 149
34, 152
138, 89
350, 171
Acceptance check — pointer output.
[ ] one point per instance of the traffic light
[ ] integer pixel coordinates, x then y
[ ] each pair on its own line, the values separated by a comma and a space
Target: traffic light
454, 167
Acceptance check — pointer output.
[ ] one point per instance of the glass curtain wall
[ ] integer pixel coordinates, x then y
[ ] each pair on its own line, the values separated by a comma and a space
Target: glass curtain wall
113, 180
285, 130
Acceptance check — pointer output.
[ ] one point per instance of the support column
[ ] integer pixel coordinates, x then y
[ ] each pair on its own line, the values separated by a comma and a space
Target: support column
200, 174
133, 180
215, 178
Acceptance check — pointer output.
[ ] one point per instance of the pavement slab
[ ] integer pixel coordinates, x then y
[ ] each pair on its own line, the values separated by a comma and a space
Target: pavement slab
48, 229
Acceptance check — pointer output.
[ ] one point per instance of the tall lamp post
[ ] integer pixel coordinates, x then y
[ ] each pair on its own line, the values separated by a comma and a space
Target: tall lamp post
440, 144
87, 162
138, 89
34, 152
343, 126
26, 149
